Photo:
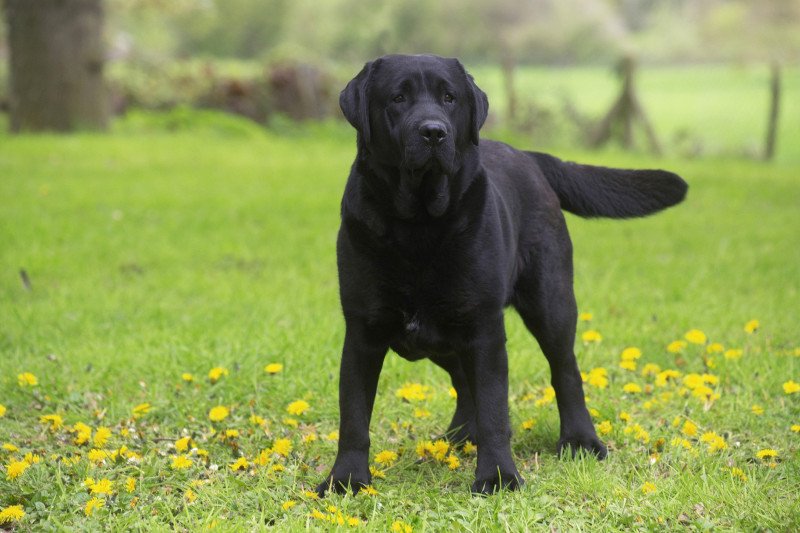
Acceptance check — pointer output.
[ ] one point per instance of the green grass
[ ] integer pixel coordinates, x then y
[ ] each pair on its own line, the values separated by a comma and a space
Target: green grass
154, 253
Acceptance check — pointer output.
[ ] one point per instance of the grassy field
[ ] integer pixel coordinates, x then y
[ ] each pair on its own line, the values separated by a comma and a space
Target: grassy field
154, 257
703, 110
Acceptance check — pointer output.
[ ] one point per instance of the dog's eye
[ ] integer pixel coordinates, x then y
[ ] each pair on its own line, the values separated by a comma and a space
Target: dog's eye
399, 99
449, 98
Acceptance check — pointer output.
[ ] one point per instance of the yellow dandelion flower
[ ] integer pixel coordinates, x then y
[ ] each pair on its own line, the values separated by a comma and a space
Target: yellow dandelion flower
183, 444
625, 417
421, 412
632, 388
190, 495
218, 413
297, 407
597, 377
83, 433
648, 488
413, 392
767, 453
141, 409
311, 437
216, 373
97, 456
715, 347
715, 442
631, 353
528, 424
469, 448
273, 368
55, 421
240, 464
26, 379
369, 490
591, 336
650, 369
291, 422
10, 447
288, 504
548, 395
92, 505
2, 411
101, 437
318, 515
791, 387
12, 513
377, 473
757, 410
398, 526
795, 428
738, 473
453, 393
676, 346
666, 376
180, 462
130, 484
452, 462
585, 317
282, 447
751, 326
628, 365
679, 442
102, 486
386, 458
257, 420
32, 458
733, 353
187, 377
14, 469
695, 336
689, 429
333, 435
604, 427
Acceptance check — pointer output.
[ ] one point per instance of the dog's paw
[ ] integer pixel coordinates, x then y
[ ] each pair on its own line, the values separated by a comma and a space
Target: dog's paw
341, 485
572, 446
485, 486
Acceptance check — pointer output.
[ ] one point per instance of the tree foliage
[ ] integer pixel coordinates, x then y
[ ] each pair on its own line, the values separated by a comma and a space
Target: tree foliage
530, 31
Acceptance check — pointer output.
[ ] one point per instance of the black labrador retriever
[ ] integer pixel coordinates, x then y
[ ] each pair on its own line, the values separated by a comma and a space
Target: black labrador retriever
441, 231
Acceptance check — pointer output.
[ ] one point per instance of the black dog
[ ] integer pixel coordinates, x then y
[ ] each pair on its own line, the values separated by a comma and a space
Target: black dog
440, 232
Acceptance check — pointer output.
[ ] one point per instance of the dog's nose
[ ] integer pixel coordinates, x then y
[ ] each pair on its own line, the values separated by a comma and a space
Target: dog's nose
433, 132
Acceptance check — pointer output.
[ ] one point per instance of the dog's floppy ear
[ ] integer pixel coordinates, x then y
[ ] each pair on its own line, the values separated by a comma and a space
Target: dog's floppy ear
478, 104
354, 101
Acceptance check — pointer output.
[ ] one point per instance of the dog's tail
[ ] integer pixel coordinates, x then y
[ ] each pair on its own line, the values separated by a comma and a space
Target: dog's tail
590, 191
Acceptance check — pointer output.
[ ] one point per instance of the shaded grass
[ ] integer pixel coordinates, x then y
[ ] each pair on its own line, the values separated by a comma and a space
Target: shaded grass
152, 254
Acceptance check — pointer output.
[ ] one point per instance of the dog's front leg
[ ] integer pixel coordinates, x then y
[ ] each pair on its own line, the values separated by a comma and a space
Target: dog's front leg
362, 359
486, 366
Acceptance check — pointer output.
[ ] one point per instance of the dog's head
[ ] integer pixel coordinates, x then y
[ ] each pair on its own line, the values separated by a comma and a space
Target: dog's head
420, 115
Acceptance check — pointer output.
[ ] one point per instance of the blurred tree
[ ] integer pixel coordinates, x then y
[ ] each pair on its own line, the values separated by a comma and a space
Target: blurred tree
56, 60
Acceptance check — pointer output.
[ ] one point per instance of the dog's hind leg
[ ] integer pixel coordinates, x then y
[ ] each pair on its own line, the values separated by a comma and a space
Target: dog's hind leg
545, 300
463, 426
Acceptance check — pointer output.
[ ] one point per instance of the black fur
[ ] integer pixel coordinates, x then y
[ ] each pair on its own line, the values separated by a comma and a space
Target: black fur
440, 232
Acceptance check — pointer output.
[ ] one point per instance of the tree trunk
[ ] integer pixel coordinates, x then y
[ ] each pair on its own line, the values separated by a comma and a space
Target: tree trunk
774, 109
56, 70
